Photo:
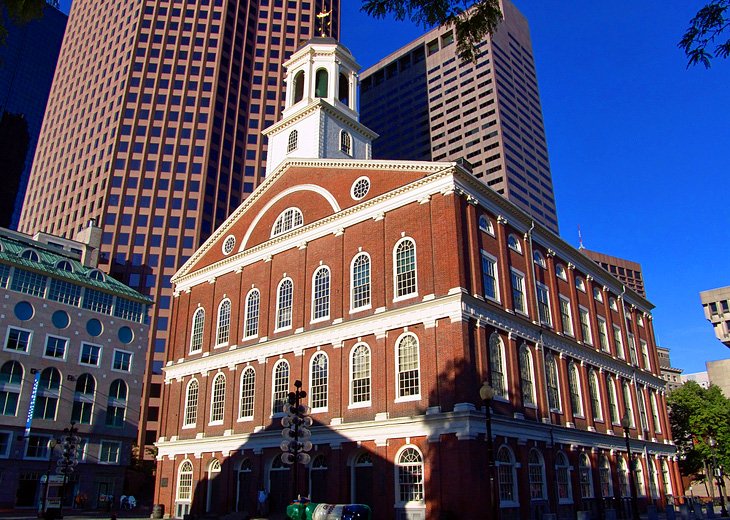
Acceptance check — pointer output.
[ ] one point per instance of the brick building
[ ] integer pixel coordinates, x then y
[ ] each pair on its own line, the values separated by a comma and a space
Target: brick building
392, 290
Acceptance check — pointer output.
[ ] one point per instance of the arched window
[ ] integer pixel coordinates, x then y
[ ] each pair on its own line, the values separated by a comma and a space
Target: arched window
244, 484
224, 323
298, 86
653, 478
284, 300
11, 379
292, 143
551, 374
49, 390
248, 389
321, 294
196, 336
526, 376
666, 478
318, 377
290, 218
343, 89
185, 481
97, 275
485, 224
360, 375
65, 265
497, 371
191, 403
281, 386
408, 367
410, 476
360, 281
604, 474
345, 142
83, 407
539, 259
214, 470
320, 85
639, 475
253, 303
560, 272
623, 477
576, 402
116, 407
31, 255
506, 477
318, 478
595, 396
536, 471
562, 475
585, 476
404, 260
514, 244
218, 398
612, 400
580, 284
628, 403
643, 418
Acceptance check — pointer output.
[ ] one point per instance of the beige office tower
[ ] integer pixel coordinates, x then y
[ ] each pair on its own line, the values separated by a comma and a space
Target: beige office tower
153, 128
427, 104
716, 304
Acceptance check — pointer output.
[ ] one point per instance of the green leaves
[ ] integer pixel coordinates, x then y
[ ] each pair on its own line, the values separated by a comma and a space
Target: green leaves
20, 11
705, 31
472, 24
697, 414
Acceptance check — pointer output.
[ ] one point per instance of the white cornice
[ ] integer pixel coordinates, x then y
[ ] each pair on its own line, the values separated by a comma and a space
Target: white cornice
314, 106
424, 312
431, 184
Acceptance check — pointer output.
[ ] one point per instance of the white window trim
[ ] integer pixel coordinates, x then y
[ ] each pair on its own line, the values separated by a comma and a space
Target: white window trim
177, 482
573, 368
518, 247
273, 383
570, 317
621, 354
119, 453
410, 295
421, 504
320, 409
281, 215
329, 295
212, 399
655, 415
561, 273
494, 259
589, 340
9, 447
185, 409
246, 418
548, 323
407, 398
353, 309
218, 323
30, 341
600, 417
199, 310
502, 356
525, 310
503, 504
245, 315
489, 228
539, 260
81, 351
226, 241
597, 295
65, 350
48, 438
569, 469
531, 362
363, 404
559, 409
278, 306
354, 184
131, 361
580, 283
607, 347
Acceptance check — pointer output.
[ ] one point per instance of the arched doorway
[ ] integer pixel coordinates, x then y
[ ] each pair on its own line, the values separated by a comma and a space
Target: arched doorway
279, 489
244, 502
213, 495
362, 479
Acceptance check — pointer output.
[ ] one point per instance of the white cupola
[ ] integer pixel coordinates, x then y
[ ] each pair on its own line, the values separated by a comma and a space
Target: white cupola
320, 118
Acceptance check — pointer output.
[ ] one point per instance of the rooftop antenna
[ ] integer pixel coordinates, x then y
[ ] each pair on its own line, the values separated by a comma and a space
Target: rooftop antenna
580, 239
325, 23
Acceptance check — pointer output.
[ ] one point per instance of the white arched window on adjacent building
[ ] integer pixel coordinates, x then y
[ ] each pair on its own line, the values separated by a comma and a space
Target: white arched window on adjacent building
409, 477
83, 406
246, 396
218, 398
251, 319
290, 218
408, 369
404, 262
506, 477
284, 302
223, 327
319, 379
360, 384
536, 474
280, 386
11, 379
360, 281
321, 293
497, 369
527, 376
196, 333
191, 403
116, 408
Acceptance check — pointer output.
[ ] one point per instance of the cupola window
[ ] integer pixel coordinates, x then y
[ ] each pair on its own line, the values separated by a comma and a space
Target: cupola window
343, 87
345, 143
320, 87
299, 86
292, 145
289, 219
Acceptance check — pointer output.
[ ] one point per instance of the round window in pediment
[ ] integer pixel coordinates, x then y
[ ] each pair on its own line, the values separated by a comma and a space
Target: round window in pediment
228, 244
360, 188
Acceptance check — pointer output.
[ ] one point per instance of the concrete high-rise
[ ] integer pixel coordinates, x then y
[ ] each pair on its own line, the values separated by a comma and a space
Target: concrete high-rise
716, 304
427, 104
628, 272
28, 59
153, 127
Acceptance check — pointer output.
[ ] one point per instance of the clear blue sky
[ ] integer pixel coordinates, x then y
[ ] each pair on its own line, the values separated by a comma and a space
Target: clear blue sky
639, 146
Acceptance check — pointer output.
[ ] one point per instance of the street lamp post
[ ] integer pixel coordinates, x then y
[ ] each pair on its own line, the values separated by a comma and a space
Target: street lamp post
486, 392
626, 424
51, 446
717, 471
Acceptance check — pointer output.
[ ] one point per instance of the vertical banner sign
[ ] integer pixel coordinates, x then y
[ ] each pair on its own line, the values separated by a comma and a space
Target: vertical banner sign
31, 406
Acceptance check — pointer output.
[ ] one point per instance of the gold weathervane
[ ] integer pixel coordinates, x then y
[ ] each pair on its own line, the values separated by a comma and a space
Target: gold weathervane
325, 23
